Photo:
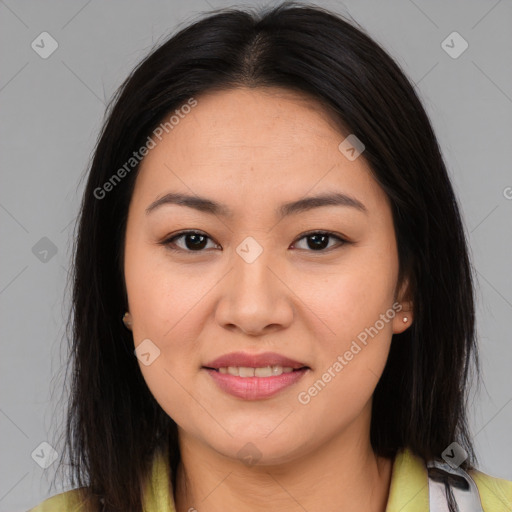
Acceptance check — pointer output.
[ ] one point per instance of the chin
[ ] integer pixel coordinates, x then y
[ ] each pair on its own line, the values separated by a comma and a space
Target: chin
260, 450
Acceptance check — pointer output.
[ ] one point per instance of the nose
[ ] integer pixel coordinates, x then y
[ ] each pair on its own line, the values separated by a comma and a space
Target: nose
255, 297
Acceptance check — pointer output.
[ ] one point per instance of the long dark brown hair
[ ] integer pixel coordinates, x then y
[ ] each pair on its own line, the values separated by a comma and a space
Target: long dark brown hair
114, 425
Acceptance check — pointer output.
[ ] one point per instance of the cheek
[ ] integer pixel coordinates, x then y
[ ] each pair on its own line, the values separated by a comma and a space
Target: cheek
350, 362
354, 334
352, 296
162, 301
161, 295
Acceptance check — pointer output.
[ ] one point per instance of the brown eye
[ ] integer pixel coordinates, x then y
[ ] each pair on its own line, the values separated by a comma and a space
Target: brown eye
318, 241
193, 241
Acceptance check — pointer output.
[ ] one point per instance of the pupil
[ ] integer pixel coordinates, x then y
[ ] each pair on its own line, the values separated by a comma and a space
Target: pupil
196, 238
316, 245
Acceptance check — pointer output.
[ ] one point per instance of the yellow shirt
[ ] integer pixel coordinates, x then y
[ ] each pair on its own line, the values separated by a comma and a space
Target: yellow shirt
408, 491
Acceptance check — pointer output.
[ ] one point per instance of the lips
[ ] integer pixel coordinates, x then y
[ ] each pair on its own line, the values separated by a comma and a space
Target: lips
256, 388
254, 361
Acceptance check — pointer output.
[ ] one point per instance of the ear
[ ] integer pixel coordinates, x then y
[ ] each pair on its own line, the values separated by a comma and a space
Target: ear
404, 317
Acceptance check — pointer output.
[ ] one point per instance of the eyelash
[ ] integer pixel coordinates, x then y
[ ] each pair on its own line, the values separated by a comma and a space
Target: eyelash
168, 242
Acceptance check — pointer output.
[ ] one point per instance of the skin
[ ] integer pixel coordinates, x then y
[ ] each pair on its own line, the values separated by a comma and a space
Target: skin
253, 149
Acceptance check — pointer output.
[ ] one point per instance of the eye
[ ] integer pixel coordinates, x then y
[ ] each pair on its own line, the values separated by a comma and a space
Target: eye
195, 241
317, 241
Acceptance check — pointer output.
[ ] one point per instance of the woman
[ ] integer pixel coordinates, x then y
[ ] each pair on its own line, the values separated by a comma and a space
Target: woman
273, 302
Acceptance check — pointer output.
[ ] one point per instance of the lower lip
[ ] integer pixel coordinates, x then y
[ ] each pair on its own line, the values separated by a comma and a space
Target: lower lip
255, 388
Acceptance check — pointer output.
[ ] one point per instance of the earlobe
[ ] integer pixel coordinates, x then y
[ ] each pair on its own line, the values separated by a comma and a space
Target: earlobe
127, 320
403, 319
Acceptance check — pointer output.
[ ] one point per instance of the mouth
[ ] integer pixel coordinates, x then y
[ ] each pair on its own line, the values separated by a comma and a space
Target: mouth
248, 383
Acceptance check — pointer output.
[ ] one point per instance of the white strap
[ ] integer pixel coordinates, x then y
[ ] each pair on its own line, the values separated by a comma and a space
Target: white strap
464, 489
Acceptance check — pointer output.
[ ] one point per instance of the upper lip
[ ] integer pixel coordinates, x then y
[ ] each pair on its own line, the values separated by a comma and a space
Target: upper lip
253, 360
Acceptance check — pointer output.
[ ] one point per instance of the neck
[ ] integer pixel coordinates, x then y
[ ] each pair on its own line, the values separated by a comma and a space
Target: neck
341, 474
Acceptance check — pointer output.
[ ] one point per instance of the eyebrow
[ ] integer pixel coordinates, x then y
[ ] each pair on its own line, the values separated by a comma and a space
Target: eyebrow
209, 206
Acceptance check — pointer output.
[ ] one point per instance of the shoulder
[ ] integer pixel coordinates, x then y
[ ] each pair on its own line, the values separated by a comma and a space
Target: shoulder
409, 489
495, 493
69, 501
157, 494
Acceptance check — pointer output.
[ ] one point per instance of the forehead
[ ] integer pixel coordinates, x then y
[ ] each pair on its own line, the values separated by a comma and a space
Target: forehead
269, 121
254, 144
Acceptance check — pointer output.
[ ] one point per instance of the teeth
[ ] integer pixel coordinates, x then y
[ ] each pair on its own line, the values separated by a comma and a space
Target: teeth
267, 371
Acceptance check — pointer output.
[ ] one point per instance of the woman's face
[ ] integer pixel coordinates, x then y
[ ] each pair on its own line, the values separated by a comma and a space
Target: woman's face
250, 280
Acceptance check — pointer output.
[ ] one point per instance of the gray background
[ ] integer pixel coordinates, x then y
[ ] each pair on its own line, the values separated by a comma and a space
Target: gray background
52, 110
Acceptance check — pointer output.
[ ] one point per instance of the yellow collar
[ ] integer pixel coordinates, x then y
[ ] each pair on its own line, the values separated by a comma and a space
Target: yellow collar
408, 491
